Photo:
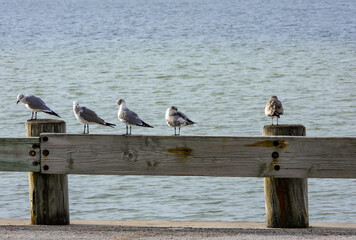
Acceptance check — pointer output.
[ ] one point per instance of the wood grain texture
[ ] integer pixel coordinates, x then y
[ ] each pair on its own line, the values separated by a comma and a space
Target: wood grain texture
286, 202
37, 126
20, 154
49, 202
298, 157
284, 130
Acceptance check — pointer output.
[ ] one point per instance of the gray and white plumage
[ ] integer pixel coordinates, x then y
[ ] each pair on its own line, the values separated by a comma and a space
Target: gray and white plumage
35, 104
175, 119
86, 116
129, 117
274, 108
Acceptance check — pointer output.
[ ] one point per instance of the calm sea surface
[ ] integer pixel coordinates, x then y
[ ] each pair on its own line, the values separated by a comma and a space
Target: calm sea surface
218, 61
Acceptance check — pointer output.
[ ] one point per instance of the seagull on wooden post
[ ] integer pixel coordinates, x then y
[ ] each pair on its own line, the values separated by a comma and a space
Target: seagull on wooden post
274, 108
35, 104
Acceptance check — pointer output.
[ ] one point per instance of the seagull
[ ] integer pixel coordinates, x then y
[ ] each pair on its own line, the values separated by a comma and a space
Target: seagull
87, 116
129, 117
175, 119
35, 104
274, 108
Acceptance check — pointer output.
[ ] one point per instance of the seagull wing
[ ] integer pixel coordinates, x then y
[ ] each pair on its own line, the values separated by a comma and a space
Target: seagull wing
90, 116
184, 118
36, 103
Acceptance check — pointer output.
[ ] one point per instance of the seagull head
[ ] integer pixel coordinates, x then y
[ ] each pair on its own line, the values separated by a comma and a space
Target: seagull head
171, 110
120, 102
20, 98
174, 108
75, 104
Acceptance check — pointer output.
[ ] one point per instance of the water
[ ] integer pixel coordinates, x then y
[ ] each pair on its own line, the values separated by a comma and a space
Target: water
218, 61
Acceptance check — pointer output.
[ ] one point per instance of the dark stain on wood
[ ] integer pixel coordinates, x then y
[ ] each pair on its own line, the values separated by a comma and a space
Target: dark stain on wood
281, 144
181, 152
280, 190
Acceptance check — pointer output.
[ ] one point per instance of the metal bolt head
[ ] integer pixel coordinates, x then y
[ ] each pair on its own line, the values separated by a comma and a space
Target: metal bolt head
277, 167
45, 152
32, 153
275, 155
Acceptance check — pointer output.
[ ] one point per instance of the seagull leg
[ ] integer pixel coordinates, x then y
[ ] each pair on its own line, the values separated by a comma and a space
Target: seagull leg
179, 130
130, 129
35, 115
84, 129
31, 115
175, 133
272, 120
88, 128
127, 130
277, 120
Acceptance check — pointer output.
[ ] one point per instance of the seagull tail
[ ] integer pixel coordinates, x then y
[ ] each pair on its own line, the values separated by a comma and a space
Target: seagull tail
53, 113
145, 125
189, 122
109, 124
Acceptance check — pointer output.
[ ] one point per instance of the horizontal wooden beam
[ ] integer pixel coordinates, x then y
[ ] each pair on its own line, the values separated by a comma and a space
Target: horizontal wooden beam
281, 157
20, 154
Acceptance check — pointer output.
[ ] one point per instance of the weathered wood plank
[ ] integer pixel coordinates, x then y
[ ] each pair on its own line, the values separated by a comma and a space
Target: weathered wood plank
282, 157
20, 154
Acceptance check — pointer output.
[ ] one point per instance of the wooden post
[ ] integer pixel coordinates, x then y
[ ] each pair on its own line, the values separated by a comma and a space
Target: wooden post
48, 193
286, 198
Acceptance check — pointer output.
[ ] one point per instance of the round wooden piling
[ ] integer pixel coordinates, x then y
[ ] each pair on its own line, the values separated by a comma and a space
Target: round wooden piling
284, 130
286, 198
49, 202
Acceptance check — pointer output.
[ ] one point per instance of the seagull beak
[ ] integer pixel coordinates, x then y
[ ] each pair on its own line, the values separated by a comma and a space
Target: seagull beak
17, 101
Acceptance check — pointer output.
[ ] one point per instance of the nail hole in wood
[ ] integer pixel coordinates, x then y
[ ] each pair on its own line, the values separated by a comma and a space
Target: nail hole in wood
35, 146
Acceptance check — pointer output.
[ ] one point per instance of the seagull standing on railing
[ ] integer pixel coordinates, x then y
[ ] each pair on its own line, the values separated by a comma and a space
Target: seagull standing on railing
87, 116
35, 104
274, 108
129, 117
175, 119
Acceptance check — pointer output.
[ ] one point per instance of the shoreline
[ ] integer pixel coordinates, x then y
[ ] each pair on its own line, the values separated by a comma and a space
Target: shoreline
107, 229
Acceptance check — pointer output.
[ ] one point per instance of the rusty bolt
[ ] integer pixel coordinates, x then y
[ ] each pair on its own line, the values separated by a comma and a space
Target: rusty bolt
45, 167
275, 143
45, 152
32, 153
277, 167
45, 139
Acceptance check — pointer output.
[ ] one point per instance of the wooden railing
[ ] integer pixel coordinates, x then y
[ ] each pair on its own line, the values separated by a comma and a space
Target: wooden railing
53, 155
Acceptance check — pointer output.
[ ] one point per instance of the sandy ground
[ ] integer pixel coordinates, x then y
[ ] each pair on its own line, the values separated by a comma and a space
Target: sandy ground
21, 229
